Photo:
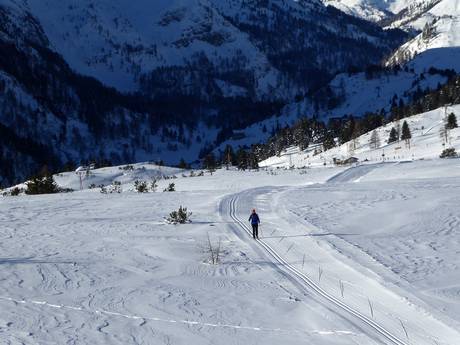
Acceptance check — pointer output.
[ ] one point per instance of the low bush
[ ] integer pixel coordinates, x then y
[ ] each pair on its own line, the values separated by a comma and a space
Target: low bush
181, 216
171, 188
449, 153
141, 186
42, 185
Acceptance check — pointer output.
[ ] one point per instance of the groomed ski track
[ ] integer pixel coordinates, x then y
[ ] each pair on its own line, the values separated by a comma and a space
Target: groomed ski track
309, 284
370, 326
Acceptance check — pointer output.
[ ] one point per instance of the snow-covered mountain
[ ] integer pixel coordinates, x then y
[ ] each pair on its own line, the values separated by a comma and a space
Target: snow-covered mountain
374, 10
439, 38
128, 45
435, 22
201, 69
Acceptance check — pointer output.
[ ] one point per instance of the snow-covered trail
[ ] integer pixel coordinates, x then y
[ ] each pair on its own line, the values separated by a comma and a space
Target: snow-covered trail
382, 309
309, 285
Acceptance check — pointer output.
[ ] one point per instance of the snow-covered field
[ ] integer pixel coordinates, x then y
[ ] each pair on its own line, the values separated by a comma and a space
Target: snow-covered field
92, 268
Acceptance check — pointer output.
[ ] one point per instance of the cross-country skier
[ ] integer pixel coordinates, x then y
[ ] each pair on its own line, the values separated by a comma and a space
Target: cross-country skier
255, 221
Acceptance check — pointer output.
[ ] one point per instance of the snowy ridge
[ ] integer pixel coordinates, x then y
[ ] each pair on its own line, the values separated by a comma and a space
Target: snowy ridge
440, 28
374, 10
366, 9
435, 21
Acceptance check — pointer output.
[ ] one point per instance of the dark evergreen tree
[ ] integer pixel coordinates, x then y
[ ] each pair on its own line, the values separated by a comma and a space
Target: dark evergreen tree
228, 156
182, 164
242, 159
405, 132
451, 121
328, 141
347, 130
253, 160
393, 136
209, 161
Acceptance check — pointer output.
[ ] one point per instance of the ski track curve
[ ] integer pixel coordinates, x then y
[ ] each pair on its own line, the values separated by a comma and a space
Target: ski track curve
308, 283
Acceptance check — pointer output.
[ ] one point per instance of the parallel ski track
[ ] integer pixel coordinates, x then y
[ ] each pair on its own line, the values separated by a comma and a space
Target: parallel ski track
309, 283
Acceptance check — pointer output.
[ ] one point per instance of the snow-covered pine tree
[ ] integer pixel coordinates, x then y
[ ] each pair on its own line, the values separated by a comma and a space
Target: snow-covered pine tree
374, 141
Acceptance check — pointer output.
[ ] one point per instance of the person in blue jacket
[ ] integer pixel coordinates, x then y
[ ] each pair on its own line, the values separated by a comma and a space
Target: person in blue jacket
255, 221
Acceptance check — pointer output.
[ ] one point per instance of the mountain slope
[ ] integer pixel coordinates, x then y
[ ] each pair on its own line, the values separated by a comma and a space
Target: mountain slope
49, 115
203, 69
440, 27
128, 45
373, 10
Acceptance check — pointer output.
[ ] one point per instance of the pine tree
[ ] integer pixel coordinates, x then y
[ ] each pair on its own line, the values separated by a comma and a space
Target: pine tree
209, 162
405, 133
393, 136
242, 159
182, 164
374, 141
444, 133
253, 161
328, 141
398, 129
451, 121
228, 157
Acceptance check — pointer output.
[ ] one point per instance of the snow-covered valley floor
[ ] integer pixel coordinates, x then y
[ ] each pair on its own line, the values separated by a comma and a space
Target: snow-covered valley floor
92, 268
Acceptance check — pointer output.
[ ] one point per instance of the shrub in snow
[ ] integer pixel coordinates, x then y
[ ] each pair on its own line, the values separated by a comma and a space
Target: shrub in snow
42, 185
449, 153
214, 251
16, 191
115, 187
181, 216
171, 188
141, 186
13, 192
127, 168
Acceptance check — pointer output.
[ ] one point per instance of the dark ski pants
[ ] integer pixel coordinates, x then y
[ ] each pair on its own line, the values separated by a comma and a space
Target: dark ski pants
255, 230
